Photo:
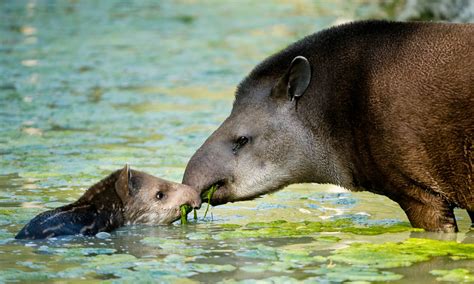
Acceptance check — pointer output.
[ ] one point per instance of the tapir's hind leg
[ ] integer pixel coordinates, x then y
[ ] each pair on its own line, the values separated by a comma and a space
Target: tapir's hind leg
429, 212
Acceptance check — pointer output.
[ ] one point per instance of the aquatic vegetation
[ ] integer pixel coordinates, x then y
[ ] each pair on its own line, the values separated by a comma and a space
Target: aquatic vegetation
171, 246
75, 251
281, 228
278, 259
5, 236
110, 262
17, 215
388, 255
455, 275
350, 273
328, 239
19, 275
280, 254
208, 194
184, 209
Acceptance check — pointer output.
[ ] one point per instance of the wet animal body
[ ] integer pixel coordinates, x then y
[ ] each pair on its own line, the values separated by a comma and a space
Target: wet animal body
386, 107
124, 197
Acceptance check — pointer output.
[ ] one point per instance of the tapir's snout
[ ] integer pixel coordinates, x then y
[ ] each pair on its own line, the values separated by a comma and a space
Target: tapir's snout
195, 175
207, 167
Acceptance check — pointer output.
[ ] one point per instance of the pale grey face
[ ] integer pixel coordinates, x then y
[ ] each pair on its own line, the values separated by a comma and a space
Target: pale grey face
151, 200
257, 150
264, 144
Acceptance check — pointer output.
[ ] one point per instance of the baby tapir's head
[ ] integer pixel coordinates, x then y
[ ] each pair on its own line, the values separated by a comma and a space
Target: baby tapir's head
150, 200
124, 197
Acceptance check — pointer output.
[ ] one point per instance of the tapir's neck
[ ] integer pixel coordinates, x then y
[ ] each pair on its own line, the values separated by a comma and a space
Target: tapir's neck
327, 151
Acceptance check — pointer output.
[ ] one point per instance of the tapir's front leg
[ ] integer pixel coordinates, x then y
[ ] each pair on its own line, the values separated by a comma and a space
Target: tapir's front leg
428, 211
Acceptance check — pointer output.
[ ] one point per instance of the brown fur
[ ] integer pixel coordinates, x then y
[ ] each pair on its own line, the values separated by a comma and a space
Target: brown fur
390, 109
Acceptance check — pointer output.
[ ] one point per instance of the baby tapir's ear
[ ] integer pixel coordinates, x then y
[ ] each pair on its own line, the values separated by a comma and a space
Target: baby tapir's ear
123, 183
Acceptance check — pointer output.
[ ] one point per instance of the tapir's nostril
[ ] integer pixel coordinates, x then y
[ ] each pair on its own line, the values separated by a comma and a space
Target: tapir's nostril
196, 204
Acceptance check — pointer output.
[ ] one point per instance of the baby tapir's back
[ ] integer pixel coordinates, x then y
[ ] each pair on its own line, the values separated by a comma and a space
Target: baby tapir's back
69, 220
99, 209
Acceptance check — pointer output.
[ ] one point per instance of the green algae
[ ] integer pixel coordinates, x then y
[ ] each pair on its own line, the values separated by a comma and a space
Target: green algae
329, 239
31, 265
170, 245
10, 216
124, 267
272, 253
112, 261
72, 252
5, 236
268, 280
455, 275
413, 250
185, 209
281, 228
20, 275
208, 194
210, 268
278, 259
198, 236
229, 226
346, 273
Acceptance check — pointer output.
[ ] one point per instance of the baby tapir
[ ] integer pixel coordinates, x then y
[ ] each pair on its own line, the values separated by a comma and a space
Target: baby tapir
124, 197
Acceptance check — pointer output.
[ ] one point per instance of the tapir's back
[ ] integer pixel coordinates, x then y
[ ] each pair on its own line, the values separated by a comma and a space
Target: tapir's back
419, 107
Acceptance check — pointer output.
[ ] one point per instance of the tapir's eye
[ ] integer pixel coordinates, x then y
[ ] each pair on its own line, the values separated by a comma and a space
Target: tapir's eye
239, 143
160, 195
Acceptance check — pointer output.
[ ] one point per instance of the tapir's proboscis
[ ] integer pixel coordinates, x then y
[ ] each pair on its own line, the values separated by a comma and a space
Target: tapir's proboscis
124, 197
386, 107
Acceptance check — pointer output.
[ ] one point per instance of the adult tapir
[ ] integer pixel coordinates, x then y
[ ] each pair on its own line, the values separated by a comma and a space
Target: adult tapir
381, 106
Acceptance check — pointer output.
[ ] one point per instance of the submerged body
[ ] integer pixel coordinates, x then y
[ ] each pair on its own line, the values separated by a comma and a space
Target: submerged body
381, 106
124, 197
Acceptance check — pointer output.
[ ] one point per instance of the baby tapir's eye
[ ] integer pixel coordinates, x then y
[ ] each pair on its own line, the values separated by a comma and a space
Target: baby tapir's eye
160, 195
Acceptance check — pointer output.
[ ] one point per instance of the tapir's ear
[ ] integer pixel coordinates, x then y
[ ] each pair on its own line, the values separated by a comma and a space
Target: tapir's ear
296, 80
122, 185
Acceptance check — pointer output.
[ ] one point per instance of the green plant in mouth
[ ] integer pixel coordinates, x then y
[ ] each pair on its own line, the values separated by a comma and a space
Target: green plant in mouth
208, 194
184, 213
186, 208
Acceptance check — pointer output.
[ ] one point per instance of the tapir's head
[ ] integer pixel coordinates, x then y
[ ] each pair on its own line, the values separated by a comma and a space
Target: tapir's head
150, 200
265, 143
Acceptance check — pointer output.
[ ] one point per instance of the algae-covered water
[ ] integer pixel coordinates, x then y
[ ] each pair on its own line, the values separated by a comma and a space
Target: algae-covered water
87, 86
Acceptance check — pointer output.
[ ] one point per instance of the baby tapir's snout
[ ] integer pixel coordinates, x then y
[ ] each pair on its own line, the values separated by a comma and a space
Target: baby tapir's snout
189, 196
151, 200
